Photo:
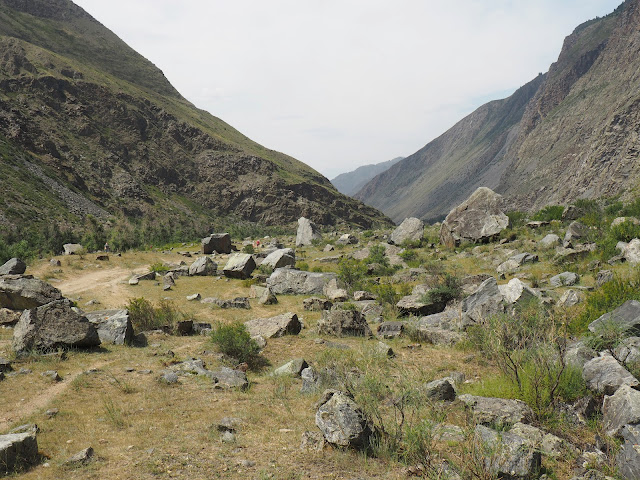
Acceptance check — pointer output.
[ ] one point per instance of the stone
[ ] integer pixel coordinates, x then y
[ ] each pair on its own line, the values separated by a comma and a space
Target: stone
628, 458
286, 281
548, 444
134, 281
238, 302
310, 380
625, 318
620, 409
550, 241
284, 257
410, 230
307, 232
516, 261
484, 303
292, 368
628, 351
193, 298
239, 265
620, 220
8, 318
333, 292
564, 279
72, 248
478, 219
570, 298
577, 354
507, 455
497, 411
18, 450
168, 377
441, 336
14, 266
631, 252
347, 239
267, 297
312, 441
52, 375
216, 243
392, 329
419, 305
203, 266
201, 328
54, 262
516, 291
383, 349
229, 378
328, 248
184, 327
113, 326
575, 232
603, 276
440, 390
360, 295
228, 424
23, 292
52, 326
342, 422
82, 457
5, 365
285, 324
316, 304
343, 323
605, 375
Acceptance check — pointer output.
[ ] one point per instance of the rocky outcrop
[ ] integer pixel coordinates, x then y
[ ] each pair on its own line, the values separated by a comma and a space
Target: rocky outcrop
285, 324
24, 292
605, 375
307, 232
113, 326
286, 281
508, 455
497, 411
410, 230
216, 243
342, 422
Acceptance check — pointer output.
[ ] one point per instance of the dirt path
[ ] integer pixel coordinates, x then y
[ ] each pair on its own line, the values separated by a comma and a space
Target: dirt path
108, 281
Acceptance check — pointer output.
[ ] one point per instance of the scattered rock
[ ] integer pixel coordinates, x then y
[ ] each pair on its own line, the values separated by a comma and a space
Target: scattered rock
440, 390
193, 298
292, 368
15, 266
361, 295
507, 455
168, 377
23, 292
334, 293
113, 326
267, 297
550, 241
216, 243
577, 354
628, 458
203, 266
484, 303
384, 349
390, 329
239, 265
620, 409
316, 304
603, 276
342, 422
286, 281
575, 232
570, 298
238, 302
410, 230
631, 252
82, 457
342, 323
419, 305
564, 279
605, 375
52, 375
9, 318
17, 450
516, 291
280, 258
310, 380
285, 324
307, 232
347, 239
625, 318
497, 411
72, 248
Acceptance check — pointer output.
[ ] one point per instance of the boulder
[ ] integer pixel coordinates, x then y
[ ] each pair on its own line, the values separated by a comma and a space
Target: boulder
625, 318
441, 389
238, 302
203, 266
283, 257
342, 323
310, 380
547, 443
605, 375
517, 292
216, 243
333, 292
390, 329
286, 281
550, 241
631, 252
17, 451
360, 295
267, 297
239, 265
628, 351
80, 458
113, 326
603, 276
478, 219
410, 230
575, 232
8, 318
285, 324
419, 305
226, 377
570, 298
316, 304
516, 261
564, 279
15, 266
507, 455
577, 354
23, 292
347, 239
72, 248
52, 326
497, 411
293, 368
620, 409
628, 458
342, 422
484, 303
307, 232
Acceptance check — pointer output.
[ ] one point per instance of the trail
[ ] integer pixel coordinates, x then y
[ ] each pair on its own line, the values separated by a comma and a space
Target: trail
108, 281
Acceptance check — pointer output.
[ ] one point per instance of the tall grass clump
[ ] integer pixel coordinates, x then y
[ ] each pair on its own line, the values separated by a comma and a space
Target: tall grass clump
234, 340
145, 316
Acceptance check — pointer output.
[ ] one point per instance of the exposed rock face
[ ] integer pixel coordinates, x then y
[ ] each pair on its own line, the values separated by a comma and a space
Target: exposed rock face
482, 304
51, 326
113, 326
620, 409
283, 257
605, 375
203, 266
342, 422
239, 265
508, 455
418, 305
17, 450
497, 411
296, 282
285, 324
216, 243
72, 248
626, 318
20, 293
628, 458
307, 232
479, 219
343, 322
411, 229
14, 266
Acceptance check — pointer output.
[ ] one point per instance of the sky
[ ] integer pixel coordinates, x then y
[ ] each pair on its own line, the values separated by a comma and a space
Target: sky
343, 83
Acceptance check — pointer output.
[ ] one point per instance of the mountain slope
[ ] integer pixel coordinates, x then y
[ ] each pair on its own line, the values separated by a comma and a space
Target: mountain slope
88, 126
351, 182
568, 134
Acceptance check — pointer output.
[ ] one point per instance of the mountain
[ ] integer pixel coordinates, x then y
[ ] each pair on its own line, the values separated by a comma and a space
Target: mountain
351, 182
568, 134
89, 126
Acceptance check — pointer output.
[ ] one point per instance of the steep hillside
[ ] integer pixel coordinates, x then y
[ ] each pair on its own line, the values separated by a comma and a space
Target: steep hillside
568, 134
88, 126
351, 182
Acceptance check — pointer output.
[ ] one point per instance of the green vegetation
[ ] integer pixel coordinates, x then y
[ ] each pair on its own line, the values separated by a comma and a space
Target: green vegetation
144, 316
234, 340
549, 213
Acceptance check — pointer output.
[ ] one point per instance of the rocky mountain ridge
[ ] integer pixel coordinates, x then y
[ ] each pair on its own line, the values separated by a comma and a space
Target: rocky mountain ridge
350, 183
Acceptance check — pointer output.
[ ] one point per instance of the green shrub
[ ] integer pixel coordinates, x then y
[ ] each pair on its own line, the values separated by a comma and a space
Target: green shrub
317, 269
302, 266
352, 273
265, 269
144, 316
386, 294
234, 340
446, 289
159, 267
549, 213
377, 255
248, 249
517, 219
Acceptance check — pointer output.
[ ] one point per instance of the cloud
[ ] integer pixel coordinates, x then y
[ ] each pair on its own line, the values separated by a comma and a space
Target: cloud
342, 83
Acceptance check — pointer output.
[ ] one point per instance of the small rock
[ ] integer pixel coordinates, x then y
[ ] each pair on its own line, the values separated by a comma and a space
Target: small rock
82, 457
53, 375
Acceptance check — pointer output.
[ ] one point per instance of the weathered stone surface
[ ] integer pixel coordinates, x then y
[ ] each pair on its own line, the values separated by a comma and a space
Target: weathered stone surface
292, 368
310, 380
631, 252
620, 409
316, 304
485, 302
267, 297
497, 411
342, 422
285, 324
628, 351
575, 233
628, 458
360, 295
284, 257
440, 389
238, 302
14, 266
516, 291
577, 354
72, 248
548, 444
418, 305
203, 266
216, 243
226, 377
23, 292
82, 457
625, 318
516, 261
239, 265
508, 455
312, 441
570, 298
382, 348
347, 239
603, 276
549, 241
478, 219
564, 279
286, 281
18, 450
307, 232
410, 230
113, 326
52, 326
342, 323
605, 375
392, 329
9, 317
333, 292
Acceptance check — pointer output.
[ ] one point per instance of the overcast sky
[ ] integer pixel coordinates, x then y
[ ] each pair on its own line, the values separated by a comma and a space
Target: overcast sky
343, 83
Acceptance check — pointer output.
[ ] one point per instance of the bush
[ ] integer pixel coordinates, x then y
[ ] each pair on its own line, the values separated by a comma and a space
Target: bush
447, 289
302, 266
144, 316
159, 267
248, 249
352, 274
549, 213
517, 219
234, 340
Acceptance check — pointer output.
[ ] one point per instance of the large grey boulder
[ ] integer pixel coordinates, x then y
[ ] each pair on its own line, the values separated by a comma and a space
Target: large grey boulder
626, 318
497, 411
620, 409
52, 326
285, 324
286, 281
113, 326
239, 265
549, 241
628, 458
564, 279
14, 266
17, 450
335, 293
507, 455
605, 375
342, 323
72, 248
441, 389
410, 230
631, 252
203, 266
487, 301
342, 422
419, 305
517, 292
577, 354
516, 261
347, 239
307, 232
478, 219
216, 243
23, 292
316, 304
283, 257
575, 232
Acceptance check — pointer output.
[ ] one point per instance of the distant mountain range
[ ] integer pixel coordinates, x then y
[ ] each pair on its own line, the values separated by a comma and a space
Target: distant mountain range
570, 133
351, 182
